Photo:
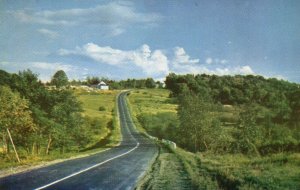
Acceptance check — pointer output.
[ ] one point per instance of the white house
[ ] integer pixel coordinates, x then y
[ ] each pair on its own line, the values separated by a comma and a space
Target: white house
102, 86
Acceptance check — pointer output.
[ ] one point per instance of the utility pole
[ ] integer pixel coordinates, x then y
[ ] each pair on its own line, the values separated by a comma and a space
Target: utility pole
12, 142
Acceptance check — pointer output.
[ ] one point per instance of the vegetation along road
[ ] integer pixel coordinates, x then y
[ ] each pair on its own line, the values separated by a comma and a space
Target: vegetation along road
117, 168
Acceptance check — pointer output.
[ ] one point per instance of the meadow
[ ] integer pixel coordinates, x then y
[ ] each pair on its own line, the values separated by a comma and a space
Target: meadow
154, 102
208, 170
99, 110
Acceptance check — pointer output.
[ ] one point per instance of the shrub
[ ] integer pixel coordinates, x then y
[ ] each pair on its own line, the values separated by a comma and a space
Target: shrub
102, 108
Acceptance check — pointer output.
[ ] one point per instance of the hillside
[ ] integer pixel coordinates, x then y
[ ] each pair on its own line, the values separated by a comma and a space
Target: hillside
156, 113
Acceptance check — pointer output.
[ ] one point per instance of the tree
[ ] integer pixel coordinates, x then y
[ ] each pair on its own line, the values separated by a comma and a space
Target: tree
59, 79
150, 83
93, 80
196, 122
159, 84
15, 118
295, 106
66, 113
225, 95
4, 77
248, 132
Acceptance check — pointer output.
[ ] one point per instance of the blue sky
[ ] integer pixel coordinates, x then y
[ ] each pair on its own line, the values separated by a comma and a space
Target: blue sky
138, 39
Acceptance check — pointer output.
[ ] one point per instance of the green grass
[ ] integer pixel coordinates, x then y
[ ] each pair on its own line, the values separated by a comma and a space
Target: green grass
91, 103
215, 171
151, 101
278, 171
166, 173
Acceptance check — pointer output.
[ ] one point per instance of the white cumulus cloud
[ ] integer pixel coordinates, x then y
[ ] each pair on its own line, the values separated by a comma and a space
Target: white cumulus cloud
246, 70
181, 57
151, 62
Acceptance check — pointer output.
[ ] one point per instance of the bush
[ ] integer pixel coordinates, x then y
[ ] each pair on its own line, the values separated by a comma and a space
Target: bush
102, 108
162, 125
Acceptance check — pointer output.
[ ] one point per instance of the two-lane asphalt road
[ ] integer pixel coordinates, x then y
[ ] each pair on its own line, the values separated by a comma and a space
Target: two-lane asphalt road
116, 168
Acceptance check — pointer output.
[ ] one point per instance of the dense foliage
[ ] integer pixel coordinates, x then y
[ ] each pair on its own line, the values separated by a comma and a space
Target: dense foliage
59, 79
247, 114
39, 118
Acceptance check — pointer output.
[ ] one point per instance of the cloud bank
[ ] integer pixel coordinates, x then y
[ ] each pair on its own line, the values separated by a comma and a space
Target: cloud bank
141, 62
155, 63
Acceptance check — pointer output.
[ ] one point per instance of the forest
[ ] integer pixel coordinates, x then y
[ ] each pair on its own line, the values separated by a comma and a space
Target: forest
236, 114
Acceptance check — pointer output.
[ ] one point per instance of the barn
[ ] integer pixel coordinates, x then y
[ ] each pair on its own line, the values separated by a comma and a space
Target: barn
102, 86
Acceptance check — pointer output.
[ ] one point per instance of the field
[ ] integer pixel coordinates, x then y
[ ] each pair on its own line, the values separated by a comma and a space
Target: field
207, 170
99, 111
150, 103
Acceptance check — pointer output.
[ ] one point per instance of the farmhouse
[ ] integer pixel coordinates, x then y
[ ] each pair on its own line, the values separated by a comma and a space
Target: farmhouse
102, 86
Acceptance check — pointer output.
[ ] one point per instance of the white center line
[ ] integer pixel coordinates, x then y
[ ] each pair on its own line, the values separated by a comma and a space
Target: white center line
96, 165
89, 168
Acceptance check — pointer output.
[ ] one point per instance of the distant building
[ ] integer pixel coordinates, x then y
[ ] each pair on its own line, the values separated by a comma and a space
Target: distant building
102, 86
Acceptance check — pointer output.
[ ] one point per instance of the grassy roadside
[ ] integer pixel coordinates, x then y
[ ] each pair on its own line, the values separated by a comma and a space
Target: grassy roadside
107, 133
208, 170
168, 171
278, 171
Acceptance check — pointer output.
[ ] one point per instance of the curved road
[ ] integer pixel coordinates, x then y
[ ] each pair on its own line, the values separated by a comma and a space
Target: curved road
116, 168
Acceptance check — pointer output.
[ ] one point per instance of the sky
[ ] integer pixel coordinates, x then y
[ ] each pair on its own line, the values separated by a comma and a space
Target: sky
151, 38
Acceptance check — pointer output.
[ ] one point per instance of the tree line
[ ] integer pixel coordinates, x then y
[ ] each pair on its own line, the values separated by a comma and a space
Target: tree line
264, 114
122, 84
36, 120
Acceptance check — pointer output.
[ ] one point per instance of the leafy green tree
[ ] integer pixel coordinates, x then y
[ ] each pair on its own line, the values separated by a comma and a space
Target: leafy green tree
15, 118
225, 95
59, 79
195, 122
248, 133
150, 83
66, 113
40, 102
295, 107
